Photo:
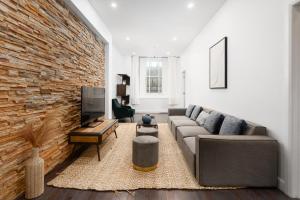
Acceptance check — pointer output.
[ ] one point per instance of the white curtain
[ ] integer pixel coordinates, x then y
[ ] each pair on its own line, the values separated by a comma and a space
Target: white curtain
173, 86
135, 91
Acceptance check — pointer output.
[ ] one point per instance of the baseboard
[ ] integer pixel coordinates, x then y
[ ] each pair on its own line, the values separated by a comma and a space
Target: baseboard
282, 186
149, 111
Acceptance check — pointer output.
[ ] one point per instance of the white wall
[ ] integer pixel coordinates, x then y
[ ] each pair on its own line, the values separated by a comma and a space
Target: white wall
257, 68
120, 65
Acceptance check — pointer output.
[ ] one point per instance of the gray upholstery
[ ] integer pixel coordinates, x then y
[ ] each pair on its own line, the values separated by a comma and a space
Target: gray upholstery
189, 153
178, 123
189, 131
145, 151
213, 122
201, 118
249, 159
236, 160
189, 110
180, 117
231, 126
147, 131
196, 112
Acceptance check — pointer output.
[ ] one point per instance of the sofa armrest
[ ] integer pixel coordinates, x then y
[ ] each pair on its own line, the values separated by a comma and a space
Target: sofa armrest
239, 160
176, 111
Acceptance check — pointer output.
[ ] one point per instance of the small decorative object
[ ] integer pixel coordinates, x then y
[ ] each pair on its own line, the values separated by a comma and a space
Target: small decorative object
218, 65
34, 166
146, 119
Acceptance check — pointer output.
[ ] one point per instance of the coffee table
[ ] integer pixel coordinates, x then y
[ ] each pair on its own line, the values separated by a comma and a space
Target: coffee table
152, 124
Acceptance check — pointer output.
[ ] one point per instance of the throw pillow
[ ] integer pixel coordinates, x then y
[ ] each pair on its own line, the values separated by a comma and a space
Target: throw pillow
231, 126
201, 118
196, 112
189, 110
213, 122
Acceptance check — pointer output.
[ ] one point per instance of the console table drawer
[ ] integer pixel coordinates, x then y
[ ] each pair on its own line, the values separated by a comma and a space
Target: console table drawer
85, 139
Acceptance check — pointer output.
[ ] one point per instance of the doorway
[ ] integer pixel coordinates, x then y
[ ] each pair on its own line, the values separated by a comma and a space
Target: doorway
294, 124
183, 88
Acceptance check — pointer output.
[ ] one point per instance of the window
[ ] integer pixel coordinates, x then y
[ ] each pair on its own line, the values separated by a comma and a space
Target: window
153, 77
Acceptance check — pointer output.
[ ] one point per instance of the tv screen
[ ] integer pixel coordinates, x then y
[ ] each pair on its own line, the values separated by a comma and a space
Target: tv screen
92, 104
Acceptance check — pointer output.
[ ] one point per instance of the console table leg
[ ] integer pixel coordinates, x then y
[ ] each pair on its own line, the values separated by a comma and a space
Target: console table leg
98, 151
116, 133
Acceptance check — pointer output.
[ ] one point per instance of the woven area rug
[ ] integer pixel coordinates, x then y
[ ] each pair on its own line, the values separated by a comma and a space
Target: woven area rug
115, 171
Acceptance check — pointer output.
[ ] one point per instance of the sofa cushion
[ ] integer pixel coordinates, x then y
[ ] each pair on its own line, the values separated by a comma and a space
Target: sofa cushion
177, 123
171, 118
202, 117
191, 131
231, 126
189, 110
213, 122
196, 112
189, 153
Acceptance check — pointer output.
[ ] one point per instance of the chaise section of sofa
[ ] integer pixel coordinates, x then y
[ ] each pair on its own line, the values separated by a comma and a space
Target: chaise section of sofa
236, 160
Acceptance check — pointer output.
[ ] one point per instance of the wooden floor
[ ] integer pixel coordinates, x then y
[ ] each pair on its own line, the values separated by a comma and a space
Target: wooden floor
53, 193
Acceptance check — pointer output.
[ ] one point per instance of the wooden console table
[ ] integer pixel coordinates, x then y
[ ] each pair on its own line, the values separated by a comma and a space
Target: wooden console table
95, 135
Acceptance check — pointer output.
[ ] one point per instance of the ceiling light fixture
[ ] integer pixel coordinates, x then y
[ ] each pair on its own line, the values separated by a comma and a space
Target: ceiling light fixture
114, 5
127, 38
190, 5
174, 38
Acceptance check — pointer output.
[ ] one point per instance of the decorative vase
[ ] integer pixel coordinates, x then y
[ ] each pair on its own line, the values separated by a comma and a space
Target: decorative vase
146, 119
34, 175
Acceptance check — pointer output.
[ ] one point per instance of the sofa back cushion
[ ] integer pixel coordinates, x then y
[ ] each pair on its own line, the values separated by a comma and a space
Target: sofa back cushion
231, 126
196, 112
213, 122
189, 110
202, 117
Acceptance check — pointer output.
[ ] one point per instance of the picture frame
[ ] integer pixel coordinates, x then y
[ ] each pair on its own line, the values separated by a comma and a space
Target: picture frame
218, 65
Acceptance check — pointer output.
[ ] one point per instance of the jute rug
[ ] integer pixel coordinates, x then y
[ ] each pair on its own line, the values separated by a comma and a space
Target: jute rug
115, 171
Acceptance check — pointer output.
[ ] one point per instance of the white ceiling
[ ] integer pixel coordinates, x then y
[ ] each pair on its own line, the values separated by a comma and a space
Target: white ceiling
152, 24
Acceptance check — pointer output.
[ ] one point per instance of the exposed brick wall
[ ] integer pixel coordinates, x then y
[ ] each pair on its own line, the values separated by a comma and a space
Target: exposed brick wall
46, 55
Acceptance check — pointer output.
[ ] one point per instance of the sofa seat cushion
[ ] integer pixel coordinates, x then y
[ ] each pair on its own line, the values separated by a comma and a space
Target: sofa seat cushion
183, 117
178, 123
191, 131
189, 153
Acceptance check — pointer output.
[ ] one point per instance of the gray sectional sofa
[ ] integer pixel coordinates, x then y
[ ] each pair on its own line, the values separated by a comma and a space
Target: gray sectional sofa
238, 153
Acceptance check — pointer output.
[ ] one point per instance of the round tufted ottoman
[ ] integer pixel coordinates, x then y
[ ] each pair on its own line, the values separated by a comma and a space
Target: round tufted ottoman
147, 131
145, 153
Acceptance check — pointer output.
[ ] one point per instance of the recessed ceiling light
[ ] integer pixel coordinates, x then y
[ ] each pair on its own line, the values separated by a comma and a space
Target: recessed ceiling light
168, 52
174, 38
127, 38
190, 5
114, 5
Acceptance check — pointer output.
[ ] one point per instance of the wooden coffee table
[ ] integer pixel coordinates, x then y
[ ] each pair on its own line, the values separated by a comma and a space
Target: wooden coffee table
152, 124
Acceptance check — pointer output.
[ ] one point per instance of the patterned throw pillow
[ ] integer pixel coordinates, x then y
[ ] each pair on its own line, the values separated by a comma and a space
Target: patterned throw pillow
213, 122
231, 126
189, 110
201, 118
196, 112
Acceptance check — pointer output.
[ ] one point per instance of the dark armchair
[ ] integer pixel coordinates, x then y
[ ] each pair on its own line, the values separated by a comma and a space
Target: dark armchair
122, 111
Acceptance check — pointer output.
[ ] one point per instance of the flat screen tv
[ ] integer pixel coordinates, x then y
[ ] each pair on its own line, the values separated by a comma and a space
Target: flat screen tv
92, 104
